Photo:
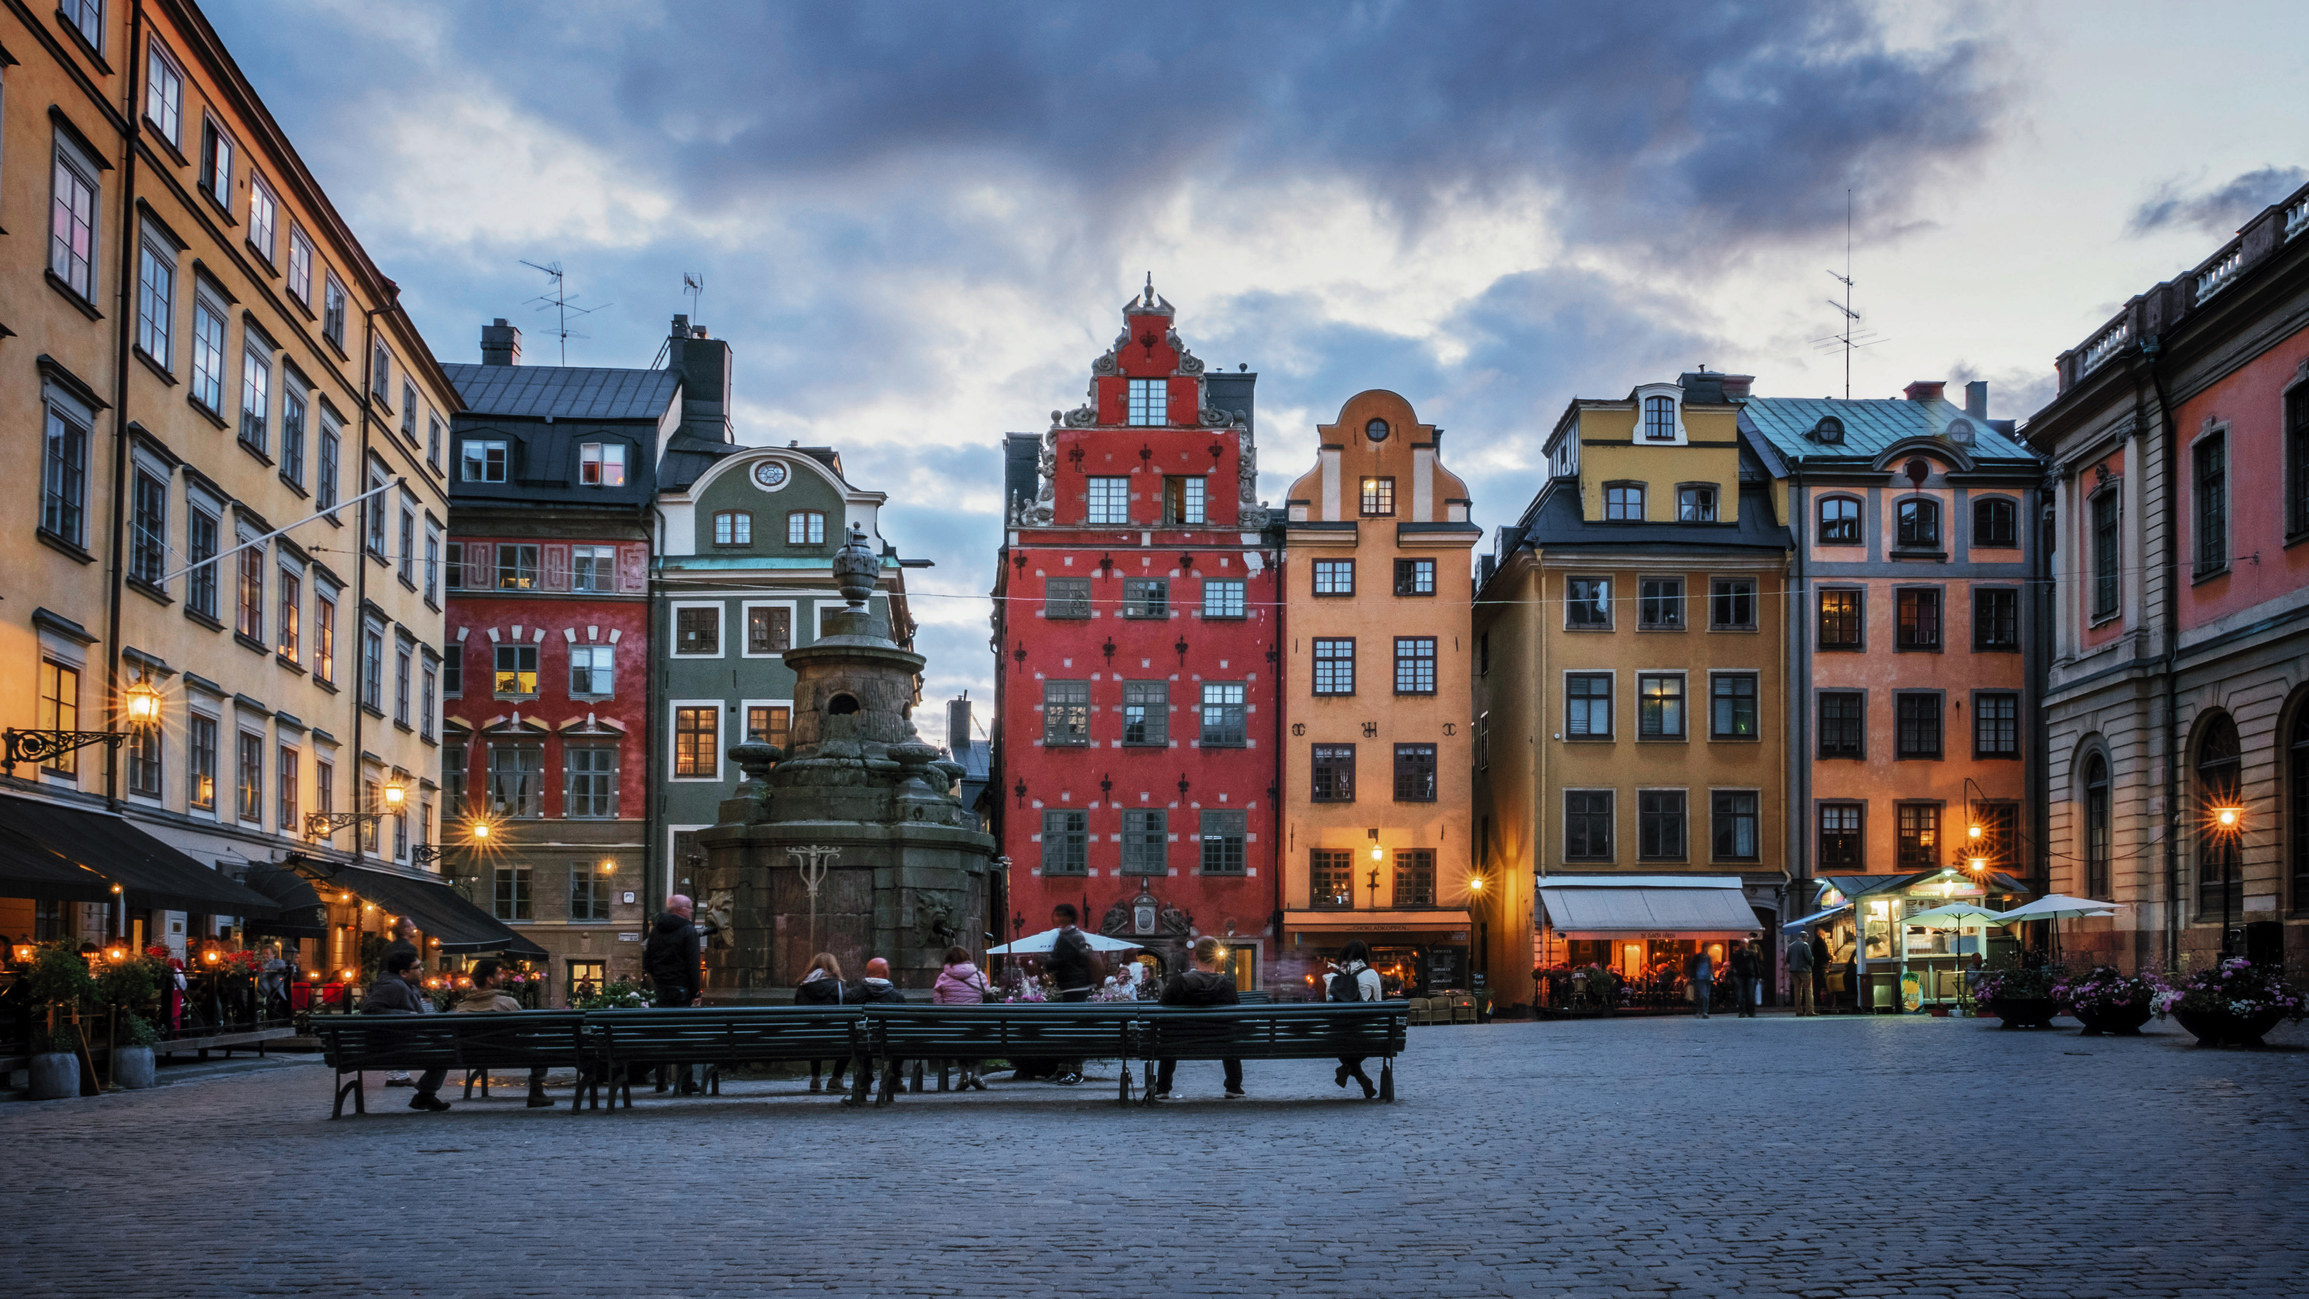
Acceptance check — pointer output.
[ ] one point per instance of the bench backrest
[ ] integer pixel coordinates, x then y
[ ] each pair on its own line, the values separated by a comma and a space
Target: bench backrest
767, 1033
1272, 1032
451, 1041
1010, 1030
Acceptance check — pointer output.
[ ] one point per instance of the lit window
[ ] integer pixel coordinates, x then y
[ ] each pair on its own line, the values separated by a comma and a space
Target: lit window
1378, 498
516, 672
601, 464
695, 751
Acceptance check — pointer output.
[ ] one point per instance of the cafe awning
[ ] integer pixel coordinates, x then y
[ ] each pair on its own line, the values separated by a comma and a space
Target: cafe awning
55, 852
440, 911
1655, 906
303, 914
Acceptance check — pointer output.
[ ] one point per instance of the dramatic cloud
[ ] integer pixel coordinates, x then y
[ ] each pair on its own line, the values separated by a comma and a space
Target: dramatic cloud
2217, 211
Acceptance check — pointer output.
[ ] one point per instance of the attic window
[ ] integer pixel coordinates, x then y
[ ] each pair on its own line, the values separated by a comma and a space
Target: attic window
601, 464
484, 461
1829, 429
1960, 432
1659, 419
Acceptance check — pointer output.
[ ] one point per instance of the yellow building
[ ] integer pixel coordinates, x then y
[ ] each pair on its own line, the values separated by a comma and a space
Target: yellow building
1629, 636
1377, 843
203, 360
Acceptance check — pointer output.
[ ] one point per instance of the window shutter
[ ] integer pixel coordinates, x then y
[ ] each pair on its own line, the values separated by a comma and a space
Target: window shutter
556, 568
633, 568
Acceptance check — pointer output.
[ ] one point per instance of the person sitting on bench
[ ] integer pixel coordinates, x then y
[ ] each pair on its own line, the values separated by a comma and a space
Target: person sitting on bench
876, 986
396, 993
483, 998
1208, 984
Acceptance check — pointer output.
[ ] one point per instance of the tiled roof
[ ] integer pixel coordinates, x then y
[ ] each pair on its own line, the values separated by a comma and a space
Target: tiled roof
564, 392
1871, 426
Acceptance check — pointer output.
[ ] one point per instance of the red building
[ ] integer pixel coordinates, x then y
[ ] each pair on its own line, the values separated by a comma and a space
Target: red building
1136, 616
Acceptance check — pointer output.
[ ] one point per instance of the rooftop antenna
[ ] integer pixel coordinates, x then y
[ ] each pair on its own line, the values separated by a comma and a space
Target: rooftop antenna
693, 283
1851, 335
563, 304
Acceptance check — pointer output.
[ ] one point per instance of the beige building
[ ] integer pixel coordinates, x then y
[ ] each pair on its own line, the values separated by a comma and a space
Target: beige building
225, 477
1378, 843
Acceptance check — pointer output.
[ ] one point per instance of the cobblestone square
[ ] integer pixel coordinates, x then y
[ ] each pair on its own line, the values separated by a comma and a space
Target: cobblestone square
1827, 1157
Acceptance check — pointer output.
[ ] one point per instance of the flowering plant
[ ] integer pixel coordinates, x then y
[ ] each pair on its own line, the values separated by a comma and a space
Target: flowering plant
2104, 990
617, 994
2235, 986
1027, 989
2019, 983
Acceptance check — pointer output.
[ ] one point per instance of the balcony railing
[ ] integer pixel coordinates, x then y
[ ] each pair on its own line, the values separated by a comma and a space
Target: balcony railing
2104, 345
2297, 218
2216, 277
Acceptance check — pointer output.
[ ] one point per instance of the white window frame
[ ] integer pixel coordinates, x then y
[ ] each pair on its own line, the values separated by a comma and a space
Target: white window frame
264, 220
1675, 396
590, 649
156, 311
166, 93
1091, 503
673, 709
793, 610
300, 267
721, 629
67, 158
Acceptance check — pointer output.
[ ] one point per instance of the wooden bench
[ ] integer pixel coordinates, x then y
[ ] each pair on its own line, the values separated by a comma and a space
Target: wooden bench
355, 1044
624, 1040
1322, 1031
1013, 1031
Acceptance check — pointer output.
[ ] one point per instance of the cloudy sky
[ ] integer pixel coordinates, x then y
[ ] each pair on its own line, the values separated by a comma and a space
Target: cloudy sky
916, 222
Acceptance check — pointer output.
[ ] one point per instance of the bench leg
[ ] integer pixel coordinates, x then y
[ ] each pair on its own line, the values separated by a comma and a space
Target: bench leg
916, 1079
1123, 1069
862, 1079
1387, 1079
1146, 1093
714, 1080
945, 1073
353, 1088
893, 1078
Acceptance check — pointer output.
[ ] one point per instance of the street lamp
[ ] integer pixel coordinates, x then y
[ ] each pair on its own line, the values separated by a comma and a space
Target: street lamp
320, 825
2228, 823
139, 705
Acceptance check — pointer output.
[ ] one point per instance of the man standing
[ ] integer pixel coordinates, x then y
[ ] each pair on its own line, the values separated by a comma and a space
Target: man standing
396, 993
404, 933
1800, 976
670, 959
1207, 984
1073, 967
1820, 964
1744, 978
1700, 977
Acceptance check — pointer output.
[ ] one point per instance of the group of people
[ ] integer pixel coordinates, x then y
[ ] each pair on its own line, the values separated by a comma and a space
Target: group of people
399, 989
1745, 966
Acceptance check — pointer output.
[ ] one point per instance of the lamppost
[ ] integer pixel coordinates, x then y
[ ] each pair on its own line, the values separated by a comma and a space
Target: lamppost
140, 705
2228, 824
320, 825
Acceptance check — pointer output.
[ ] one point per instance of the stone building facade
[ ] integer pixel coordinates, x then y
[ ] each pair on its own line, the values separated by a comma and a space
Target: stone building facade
2179, 679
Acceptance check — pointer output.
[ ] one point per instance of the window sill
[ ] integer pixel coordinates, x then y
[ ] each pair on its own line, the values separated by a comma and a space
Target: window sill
1918, 757
1916, 649
264, 258
256, 451
1978, 756
1066, 744
373, 711
205, 620
2098, 621
325, 684
63, 547
1222, 744
1749, 629
1223, 617
1571, 628
149, 591
2208, 575
1843, 757
251, 643
1735, 739
1918, 552
205, 413
289, 663
152, 363
223, 206
154, 132
1663, 739
72, 295
1841, 649
403, 727
1590, 739
1996, 649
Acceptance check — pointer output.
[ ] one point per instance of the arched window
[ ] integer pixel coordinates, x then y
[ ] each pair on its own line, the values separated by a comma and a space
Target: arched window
2297, 804
1659, 419
2219, 769
2096, 827
1839, 521
1919, 523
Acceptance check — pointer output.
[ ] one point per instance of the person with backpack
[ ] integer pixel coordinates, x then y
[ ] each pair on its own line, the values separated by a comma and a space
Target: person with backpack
960, 984
1075, 969
1354, 982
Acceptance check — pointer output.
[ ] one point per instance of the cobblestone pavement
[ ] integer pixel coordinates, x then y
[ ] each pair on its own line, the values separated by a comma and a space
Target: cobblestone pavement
1821, 1158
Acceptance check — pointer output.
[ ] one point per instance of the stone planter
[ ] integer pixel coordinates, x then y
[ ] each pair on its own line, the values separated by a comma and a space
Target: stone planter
2024, 1012
2117, 1021
2219, 1028
55, 1075
132, 1067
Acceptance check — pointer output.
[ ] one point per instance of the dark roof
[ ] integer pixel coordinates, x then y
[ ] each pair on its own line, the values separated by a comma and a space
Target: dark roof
1871, 427
1555, 521
564, 392
686, 459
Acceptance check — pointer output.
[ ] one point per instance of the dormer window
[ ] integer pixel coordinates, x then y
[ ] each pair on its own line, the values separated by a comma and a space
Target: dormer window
1659, 419
1960, 432
806, 528
601, 464
1696, 504
1623, 502
1149, 403
1830, 429
733, 528
484, 460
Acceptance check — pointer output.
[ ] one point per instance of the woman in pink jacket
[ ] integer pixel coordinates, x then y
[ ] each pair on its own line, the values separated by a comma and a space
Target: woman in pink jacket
960, 984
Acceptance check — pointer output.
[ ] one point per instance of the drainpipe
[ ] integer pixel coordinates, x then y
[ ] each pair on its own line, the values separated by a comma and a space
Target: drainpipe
123, 338
361, 585
653, 728
2152, 350
1796, 610
1277, 558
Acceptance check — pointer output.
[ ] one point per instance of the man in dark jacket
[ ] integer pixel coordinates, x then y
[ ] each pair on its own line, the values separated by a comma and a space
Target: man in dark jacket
1073, 967
876, 986
670, 959
396, 992
1820, 969
404, 934
1743, 963
1208, 984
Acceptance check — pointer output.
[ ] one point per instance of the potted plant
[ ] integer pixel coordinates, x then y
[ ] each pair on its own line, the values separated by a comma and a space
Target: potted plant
2232, 1003
2019, 997
59, 986
130, 988
133, 1065
2108, 1001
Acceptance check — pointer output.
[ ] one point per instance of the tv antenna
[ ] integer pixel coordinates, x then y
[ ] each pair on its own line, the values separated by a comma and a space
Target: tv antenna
1851, 335
693, 283
564, 304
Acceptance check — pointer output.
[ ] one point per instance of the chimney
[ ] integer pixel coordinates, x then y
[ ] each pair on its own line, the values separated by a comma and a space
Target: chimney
500, 343
1736, 386
958, 725
1976, 399
1926, 389
704, 366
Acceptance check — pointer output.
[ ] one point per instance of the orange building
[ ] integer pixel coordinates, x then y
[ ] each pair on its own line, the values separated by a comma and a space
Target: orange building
1377, 839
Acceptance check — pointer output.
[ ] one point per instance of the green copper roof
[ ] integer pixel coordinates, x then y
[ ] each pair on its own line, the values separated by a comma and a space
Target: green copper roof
1871, 427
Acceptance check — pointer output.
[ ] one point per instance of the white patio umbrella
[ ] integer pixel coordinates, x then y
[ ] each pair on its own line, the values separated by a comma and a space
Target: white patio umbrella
2057, 907
1954, 915
1040, 944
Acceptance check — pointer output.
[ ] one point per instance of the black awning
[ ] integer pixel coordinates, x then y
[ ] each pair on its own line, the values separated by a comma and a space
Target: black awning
440, 911
61, 839
303, 914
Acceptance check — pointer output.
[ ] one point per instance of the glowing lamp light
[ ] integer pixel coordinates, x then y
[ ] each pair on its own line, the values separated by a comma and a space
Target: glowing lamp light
116, 890
395, 794
2228, 818
480, 829
1974, 832
209, 956
1977, 864
1476, 884
141, 704
347, 974
608, 867
116, 953
1376, 853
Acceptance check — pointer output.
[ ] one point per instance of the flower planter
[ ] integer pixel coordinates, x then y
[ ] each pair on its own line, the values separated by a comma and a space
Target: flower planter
55, 1075
2119, 1021
2220, 1028
2024, 1012
132, 1067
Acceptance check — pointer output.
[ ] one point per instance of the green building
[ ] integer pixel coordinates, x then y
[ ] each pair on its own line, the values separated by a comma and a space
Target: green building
743, 571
